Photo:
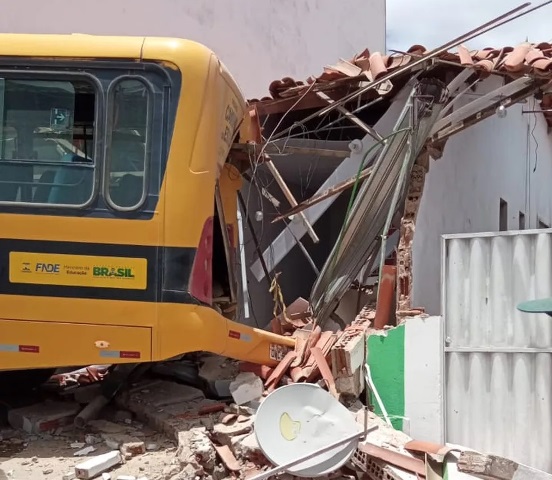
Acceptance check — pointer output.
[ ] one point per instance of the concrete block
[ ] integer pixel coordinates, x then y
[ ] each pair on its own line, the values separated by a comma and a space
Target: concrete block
94, 466
348, 357
69, 476
246, 388
43, 417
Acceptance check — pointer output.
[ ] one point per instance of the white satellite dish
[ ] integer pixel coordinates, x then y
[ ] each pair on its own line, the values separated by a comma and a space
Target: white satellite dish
299, 419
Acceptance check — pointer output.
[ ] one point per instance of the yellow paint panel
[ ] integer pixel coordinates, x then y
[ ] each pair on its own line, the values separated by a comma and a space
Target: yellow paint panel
46, 344
78, 270
79, 310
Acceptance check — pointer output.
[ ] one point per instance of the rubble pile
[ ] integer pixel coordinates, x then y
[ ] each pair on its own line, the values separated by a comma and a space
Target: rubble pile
195, 419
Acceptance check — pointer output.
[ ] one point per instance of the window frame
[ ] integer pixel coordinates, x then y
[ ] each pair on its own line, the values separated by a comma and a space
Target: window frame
106, 175
60, 75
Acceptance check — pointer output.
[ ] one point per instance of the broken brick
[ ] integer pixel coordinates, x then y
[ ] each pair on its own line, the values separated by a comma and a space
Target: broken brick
224, 433
228, 458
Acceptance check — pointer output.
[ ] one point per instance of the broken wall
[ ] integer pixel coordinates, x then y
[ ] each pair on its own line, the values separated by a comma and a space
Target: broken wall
499, 158
258, 40
297, 275
405, 365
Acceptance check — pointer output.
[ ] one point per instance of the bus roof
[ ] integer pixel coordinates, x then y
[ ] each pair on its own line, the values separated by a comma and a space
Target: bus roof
78, 45
182, 53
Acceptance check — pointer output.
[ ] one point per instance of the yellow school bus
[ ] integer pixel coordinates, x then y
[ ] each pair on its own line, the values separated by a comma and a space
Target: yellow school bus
113, 154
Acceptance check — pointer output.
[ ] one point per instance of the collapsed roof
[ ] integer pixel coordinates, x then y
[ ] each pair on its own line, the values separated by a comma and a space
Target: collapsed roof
510, 62
368, 101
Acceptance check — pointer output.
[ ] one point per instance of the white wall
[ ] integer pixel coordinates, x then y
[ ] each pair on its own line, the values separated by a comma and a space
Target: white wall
423, 379
508, 158
259, 40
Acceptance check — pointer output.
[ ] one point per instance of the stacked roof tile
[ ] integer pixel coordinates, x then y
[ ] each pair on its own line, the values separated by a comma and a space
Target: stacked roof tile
525, 58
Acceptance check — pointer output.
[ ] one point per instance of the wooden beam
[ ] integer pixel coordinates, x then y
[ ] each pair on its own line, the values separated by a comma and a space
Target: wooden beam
291, 199
499, 468
337, 188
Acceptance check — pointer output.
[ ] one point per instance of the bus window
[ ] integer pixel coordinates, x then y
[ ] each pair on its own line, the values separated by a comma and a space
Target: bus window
46, 141
128, 149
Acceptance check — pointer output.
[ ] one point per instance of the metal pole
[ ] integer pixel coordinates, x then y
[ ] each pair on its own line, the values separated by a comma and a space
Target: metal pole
320, 451
243, 268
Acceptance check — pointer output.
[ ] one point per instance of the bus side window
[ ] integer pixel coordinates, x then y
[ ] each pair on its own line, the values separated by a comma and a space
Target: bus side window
47, 140
127, 153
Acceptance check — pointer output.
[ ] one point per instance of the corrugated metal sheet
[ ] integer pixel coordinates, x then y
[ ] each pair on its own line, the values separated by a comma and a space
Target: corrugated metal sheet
360, 237
498, 361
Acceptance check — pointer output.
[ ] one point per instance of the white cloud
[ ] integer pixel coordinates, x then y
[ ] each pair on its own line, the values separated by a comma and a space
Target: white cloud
434, 22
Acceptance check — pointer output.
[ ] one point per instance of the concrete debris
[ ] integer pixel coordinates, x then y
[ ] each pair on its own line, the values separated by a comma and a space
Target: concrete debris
90, 439
97, 465
215, 368
43, 417
170, 472
224, 433
84, 451
247, 387
195, 449
6, 434
187, 473
384, 436
247, 447
71, 476
122, 416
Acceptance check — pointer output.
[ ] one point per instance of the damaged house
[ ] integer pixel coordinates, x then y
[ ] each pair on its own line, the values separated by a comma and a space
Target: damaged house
359, 182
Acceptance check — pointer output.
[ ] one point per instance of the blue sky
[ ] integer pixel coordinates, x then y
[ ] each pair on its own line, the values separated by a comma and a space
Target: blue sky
438, 21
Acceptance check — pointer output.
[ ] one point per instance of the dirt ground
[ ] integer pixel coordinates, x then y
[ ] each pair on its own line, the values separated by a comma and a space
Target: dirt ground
28, 457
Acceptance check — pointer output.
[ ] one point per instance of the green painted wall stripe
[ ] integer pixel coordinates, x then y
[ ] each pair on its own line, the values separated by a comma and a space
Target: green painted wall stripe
386, 361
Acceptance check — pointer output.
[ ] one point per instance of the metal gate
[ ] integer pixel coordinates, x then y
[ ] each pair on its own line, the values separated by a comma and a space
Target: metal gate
497, 360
